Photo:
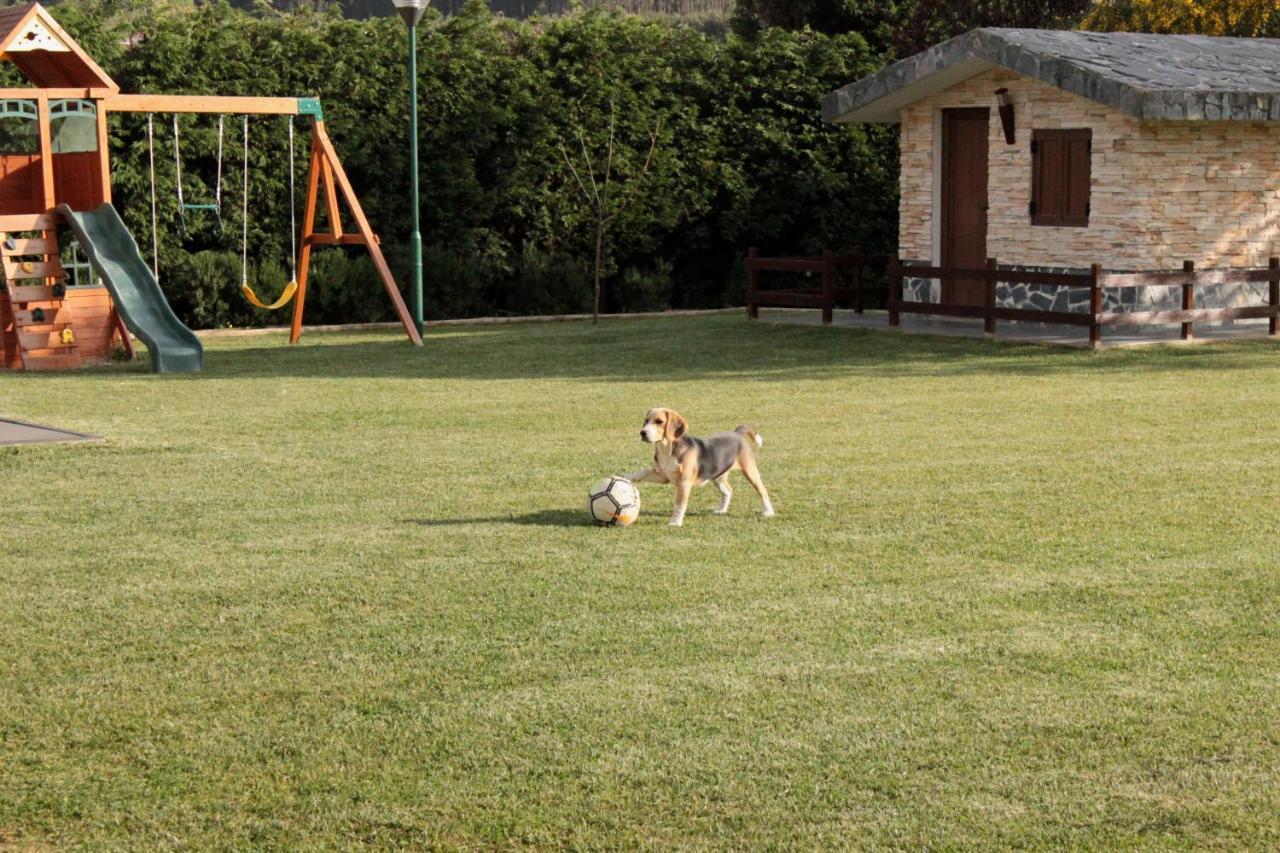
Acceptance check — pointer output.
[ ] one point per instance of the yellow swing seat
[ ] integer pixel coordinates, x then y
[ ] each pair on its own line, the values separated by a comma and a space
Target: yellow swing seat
281, 301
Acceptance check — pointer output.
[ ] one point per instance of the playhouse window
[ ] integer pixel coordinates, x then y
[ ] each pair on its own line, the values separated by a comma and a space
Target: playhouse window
1060, 176
19, 130
74, 126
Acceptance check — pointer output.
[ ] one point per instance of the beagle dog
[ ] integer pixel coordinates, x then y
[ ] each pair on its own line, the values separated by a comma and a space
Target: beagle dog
686, 461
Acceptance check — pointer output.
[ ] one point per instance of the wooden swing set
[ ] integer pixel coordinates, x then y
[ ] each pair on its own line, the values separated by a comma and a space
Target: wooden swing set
44, 324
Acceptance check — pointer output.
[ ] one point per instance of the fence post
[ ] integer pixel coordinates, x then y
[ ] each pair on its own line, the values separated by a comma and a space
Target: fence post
1188, 298
895, 289
857, 278
828, 287
753, 284
1274, 296
989, 317
1095, 306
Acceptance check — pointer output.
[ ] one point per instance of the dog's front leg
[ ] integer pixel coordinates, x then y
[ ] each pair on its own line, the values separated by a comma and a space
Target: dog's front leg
684, 485
649, 475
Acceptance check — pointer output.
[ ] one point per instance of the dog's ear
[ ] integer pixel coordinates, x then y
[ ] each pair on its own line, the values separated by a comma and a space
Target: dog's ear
676, 425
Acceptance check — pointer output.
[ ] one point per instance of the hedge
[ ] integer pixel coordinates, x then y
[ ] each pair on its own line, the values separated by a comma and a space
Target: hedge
742, 159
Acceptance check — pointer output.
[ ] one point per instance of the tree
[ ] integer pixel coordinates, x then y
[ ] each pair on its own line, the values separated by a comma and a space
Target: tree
1252, 18
603, 209
929, 22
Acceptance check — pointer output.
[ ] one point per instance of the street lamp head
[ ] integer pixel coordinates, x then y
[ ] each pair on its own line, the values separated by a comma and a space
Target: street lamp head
411, 10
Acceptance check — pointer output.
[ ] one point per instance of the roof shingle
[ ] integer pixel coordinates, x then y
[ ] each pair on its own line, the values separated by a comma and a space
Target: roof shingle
1144, 75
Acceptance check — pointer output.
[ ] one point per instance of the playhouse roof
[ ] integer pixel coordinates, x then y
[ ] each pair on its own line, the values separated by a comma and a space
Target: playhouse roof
1195, 78
42, 50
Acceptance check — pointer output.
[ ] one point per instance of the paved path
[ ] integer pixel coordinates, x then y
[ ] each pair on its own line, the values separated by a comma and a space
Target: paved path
1070, 336
17, 432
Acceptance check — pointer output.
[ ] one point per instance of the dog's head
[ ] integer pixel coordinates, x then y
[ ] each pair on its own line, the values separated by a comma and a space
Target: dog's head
663, 424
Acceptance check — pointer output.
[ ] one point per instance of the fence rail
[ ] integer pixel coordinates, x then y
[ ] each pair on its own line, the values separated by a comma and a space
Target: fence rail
830, 295
1097, 280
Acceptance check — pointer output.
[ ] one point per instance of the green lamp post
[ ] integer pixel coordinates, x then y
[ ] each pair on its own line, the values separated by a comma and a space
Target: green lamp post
411, 12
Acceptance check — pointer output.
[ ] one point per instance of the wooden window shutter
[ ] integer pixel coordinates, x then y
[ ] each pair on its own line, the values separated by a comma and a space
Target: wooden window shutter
1060, 176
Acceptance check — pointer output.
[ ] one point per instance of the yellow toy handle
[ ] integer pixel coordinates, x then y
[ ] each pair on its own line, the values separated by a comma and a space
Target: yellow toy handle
285, 295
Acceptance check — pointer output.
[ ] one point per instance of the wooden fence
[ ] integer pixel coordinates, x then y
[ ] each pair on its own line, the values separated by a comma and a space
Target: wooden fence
830, 295
1096, 280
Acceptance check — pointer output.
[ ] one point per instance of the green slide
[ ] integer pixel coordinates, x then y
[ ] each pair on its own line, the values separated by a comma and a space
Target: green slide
114, 254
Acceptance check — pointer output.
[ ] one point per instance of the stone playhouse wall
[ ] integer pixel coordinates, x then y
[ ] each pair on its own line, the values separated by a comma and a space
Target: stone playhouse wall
1059, 298
1162, 192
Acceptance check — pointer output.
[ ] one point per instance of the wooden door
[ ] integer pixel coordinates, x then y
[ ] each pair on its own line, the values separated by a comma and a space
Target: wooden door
964, 201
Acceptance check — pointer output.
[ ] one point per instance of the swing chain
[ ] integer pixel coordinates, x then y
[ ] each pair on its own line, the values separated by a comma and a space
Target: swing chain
151, 160
293, 216
244, 212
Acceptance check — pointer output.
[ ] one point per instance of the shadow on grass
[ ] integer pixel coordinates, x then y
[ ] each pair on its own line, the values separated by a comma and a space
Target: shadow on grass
542, 518
677, 348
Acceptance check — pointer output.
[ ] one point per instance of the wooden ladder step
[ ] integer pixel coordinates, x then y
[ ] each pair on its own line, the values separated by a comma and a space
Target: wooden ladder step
18, 247
31, 340
26, 270
31, 293
58, 316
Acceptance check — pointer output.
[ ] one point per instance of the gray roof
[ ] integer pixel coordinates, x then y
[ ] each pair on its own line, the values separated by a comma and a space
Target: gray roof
1201, 78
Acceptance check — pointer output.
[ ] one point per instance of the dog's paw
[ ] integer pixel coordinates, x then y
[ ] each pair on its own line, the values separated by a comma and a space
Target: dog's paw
767, 513
720, 512
676, 522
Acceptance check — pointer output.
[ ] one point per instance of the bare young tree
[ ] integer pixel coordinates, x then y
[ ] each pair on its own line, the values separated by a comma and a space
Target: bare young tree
603, 209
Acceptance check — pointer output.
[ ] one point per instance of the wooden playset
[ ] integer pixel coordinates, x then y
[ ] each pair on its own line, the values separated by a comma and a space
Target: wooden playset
55, 174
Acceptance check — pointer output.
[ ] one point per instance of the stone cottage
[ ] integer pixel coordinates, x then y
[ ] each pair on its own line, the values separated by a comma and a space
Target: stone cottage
1059, 149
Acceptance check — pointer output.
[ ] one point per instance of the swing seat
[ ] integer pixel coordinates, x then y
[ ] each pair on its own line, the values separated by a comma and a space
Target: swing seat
283, 300
201, 207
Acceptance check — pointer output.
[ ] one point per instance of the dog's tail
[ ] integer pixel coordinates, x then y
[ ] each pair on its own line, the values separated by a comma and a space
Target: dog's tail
750, 432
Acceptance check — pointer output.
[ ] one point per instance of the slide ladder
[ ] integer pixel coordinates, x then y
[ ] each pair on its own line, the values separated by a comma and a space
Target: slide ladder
42, 317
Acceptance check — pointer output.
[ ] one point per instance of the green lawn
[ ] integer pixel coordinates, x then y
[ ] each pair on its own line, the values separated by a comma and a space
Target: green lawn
344, 594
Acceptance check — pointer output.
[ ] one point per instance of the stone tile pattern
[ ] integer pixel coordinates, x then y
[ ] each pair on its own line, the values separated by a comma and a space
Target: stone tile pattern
1162, 192
1147, 76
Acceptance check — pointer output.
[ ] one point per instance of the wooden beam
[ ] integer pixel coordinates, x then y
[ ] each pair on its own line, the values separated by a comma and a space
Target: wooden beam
353, 204
200, 104
88, 93
343, 240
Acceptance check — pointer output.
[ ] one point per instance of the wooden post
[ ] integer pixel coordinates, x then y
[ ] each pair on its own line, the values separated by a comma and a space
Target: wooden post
1274, 296
753, 284
828, 287
1188, 297
895, 289
1095, 306
370, 239
331, 200
104, 156
858, 301
989, 318
308, 229
46, 153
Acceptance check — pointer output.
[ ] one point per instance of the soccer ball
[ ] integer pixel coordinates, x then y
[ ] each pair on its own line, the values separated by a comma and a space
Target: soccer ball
613, 501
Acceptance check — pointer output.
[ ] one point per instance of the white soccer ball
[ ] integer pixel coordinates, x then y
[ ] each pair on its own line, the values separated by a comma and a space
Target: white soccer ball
613, 501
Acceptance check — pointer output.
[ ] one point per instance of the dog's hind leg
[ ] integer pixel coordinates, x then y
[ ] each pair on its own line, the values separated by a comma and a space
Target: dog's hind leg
752, 473
726, 493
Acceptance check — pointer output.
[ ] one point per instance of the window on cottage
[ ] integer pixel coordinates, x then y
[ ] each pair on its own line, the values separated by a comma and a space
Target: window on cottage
1060, 176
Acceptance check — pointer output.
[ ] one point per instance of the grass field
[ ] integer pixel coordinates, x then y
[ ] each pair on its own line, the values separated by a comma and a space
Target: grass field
344, 595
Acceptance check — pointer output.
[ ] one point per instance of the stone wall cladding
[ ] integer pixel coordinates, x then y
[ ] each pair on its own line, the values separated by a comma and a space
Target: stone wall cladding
1162, 191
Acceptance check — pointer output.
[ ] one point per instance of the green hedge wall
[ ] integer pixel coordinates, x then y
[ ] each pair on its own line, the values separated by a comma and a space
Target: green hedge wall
742, 158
